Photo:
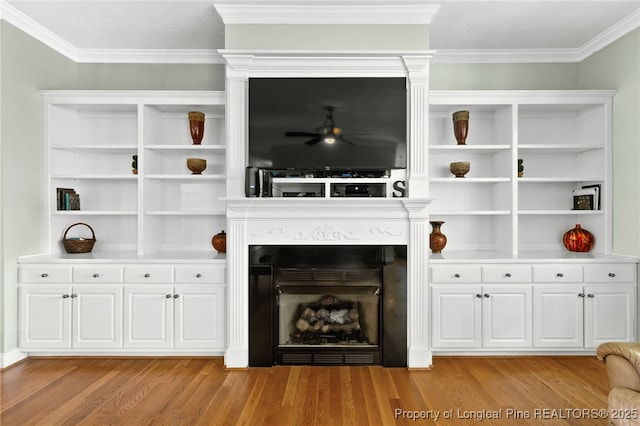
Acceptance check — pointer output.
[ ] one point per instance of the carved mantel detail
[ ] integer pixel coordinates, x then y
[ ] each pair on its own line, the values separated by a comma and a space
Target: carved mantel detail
327, 233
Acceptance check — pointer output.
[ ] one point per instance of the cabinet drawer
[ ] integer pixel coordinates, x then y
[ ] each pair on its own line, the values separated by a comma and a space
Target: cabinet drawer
194, 274
610, 273
45, 273
557, 273
506, 274
97, 274
148, 274
456, 274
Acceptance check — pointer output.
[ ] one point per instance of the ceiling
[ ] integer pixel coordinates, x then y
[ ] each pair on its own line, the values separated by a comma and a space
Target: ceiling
472, 31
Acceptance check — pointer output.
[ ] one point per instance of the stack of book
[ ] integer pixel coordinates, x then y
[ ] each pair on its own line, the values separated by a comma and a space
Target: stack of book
587, 198
67, 199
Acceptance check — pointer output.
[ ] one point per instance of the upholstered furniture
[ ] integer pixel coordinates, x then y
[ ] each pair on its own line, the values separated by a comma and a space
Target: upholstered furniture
622, 360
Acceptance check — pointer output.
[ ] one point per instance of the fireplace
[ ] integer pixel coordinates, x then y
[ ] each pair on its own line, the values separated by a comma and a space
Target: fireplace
327, 305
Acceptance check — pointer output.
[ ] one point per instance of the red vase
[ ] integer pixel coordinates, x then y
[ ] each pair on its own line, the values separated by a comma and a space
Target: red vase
437, 240
578, 239
196, 126
461, 126
219, 242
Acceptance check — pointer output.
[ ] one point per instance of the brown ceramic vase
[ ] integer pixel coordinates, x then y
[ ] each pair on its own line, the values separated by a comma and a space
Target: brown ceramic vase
437, 240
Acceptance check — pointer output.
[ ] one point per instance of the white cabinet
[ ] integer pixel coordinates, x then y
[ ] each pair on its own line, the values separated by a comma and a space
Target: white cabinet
166, 316
78, 316
160, 207
493, 313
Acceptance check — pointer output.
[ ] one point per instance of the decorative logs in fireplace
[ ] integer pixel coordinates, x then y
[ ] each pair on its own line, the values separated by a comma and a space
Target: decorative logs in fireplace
329, 320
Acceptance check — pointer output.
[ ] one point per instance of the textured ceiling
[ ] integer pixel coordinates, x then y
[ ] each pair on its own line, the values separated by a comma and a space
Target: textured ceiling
189, 24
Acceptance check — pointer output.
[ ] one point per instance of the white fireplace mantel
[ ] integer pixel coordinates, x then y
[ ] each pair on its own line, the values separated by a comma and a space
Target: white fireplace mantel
282, 221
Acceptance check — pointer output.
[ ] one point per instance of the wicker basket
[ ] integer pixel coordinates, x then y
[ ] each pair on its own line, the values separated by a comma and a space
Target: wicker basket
84, 245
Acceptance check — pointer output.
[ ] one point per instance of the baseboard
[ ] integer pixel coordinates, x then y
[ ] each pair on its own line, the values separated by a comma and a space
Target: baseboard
9, 358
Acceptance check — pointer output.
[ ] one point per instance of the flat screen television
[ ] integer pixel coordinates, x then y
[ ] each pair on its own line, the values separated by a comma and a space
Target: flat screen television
292, 122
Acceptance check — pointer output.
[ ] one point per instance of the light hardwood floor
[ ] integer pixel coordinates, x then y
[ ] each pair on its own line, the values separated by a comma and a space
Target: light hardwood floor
200, 391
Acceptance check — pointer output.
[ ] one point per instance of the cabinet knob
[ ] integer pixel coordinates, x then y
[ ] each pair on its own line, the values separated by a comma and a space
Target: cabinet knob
44, 275
487, 295
175, 296
198, 275
147, 275
612, 275
73, 296
65, 296
580, 294
591, 296
478, 295
96, 275
508, 275
168, 296
456, 275
559, 275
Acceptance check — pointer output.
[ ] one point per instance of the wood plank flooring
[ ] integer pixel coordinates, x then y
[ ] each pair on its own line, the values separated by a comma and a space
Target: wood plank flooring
200, 391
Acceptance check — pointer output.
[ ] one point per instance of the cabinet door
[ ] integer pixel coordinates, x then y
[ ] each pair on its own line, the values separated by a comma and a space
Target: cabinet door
456, 320
609, 314
45, 316
199, 316
507, 316
558, 316
97, 316
148, 316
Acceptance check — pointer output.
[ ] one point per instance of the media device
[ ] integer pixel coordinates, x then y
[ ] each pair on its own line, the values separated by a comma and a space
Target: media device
328, 124
251, 182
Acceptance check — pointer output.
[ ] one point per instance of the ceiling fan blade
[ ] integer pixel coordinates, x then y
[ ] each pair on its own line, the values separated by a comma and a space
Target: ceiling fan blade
346, 141
307, 134
314, 141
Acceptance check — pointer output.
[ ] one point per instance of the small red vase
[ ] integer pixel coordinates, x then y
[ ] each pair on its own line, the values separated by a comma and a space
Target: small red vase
196, 126
437, 240
578, 239
219, 242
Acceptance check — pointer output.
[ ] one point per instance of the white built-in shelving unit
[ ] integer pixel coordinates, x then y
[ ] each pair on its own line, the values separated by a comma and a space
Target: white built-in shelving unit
564, 140
92, 138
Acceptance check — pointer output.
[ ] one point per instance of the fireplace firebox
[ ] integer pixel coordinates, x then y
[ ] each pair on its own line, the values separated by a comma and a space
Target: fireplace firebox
335, 305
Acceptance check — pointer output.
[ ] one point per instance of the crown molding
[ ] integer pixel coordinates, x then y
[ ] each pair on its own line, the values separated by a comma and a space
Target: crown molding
501, 56
325, 12
149, 56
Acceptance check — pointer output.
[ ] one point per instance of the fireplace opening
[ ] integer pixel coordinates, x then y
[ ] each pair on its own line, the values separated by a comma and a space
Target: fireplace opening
328, 305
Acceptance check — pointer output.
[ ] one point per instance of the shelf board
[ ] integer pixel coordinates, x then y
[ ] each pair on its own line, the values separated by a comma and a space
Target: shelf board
573, 179
185, 213
203, 177
469, 180
98, 149
556, 148
561, 212
470, 213
94, 212
97, 177
186, 148
472, 149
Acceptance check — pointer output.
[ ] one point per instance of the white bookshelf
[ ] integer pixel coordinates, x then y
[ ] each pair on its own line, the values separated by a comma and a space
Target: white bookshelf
92, 137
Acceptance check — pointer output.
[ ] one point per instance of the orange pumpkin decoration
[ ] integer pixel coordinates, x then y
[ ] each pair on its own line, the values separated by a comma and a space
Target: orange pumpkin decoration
578, 239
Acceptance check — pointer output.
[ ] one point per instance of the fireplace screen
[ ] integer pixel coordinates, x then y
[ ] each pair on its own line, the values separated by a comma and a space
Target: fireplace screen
328, 307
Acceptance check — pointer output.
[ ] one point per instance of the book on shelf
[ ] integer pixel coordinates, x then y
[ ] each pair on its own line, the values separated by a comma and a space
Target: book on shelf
586, 199
67, 199
598, 198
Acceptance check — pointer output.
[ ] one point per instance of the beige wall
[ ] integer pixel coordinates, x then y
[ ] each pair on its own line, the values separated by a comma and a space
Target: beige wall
27, 66
618, 67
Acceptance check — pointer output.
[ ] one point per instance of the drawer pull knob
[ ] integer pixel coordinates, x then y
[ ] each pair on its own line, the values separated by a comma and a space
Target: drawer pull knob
175, 296
456, 275
612, 275
73, 296
198, 275
96, 275
147, 275
487, 295
508, 275
580, 294
559, 275
478, 295
168, 296
44, 275
591, 296
65, 296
